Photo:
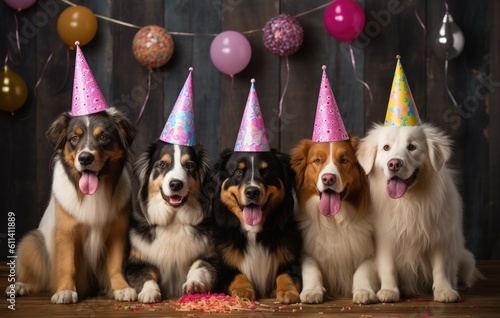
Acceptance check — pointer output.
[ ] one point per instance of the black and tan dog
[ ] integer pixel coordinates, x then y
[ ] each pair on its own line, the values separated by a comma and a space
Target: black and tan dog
172, 248
256, 234
80, 244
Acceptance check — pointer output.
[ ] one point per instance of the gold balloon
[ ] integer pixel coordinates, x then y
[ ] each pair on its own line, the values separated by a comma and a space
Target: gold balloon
13, 91
77, 23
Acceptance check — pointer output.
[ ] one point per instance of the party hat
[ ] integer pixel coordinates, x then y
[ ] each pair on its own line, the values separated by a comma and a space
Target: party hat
179, 129
328, 124
87, 96
401, 110
252, 135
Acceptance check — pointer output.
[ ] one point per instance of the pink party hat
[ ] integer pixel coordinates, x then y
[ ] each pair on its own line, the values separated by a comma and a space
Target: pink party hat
401, 110
252, 135
87, 96
179, 129
328, 124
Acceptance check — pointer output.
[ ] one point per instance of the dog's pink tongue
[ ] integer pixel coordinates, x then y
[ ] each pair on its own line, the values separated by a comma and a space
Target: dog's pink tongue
396, 188
252, 214
88, 182
329, 204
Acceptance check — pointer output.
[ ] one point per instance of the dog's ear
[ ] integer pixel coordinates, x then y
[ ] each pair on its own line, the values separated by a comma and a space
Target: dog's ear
220, 166
298, 160
439, 146
366, 151
205, 166
57, 131
284, 159
126, 129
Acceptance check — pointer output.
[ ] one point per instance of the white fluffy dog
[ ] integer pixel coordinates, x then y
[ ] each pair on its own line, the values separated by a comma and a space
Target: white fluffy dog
417, 213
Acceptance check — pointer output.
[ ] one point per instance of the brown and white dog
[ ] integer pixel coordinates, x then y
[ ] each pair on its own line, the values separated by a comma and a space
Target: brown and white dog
417, 213
256, 233
80, 244
333, 215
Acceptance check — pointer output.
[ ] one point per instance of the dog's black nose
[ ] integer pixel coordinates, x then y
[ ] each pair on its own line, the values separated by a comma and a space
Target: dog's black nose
252, 193
176, 185
394, 164
328, 179
85, 158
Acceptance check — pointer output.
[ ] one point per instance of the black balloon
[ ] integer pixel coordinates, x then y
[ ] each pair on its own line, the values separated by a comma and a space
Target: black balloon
447, 41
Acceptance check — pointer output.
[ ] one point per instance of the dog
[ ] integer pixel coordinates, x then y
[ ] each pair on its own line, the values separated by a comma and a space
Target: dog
172, 248
257, 236
80, 244
417, 213
333, 198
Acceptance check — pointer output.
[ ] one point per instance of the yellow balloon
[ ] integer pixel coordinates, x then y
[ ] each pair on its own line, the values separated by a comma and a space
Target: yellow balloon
13, 91
76, 23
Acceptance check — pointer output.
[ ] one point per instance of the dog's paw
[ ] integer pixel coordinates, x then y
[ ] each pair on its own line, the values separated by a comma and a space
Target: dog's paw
287, 296
388, 295
446, 295
149, 296
125, 294
363, 296
65, 297
194, 287
245, 293
312, 296
20, 289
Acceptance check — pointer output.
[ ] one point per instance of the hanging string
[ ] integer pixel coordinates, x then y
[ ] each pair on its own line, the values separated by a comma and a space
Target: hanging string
18, 42
446, 83
130, 25
66, 73
150, 72
284, 88
43, 72
353, 62
422, 25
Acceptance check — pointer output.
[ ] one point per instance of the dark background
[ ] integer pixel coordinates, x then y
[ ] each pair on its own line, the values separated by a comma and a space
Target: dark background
473, 78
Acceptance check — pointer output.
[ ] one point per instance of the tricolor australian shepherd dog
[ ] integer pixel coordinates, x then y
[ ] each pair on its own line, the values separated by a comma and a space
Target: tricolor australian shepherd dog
256, 234
80, 244
417, 213
172, 250
333, 196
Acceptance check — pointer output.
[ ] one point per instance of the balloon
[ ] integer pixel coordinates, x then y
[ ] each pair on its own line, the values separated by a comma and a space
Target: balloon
447, 41
344, 20
13, 91
20, 4
283, 35
230, 52
153, 46
77, 23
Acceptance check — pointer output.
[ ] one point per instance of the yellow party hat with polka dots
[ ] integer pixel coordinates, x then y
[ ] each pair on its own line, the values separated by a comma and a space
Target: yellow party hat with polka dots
401, 110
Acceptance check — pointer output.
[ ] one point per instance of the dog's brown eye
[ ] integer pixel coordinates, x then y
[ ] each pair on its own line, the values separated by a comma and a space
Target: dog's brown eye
317, 160
74, 139
266, 173
344, 160
411, 147
162, 164
190, 165
386, 148
238, 173
104, 138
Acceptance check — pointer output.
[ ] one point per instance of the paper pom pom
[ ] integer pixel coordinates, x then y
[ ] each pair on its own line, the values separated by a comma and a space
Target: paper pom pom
283, 35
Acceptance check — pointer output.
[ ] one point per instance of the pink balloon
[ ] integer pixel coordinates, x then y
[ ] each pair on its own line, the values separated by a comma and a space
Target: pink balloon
20, 4
230, 52
344, 20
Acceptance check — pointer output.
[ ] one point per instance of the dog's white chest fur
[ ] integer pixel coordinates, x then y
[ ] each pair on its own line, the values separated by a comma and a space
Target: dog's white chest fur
338, 244
175, 248
259, 266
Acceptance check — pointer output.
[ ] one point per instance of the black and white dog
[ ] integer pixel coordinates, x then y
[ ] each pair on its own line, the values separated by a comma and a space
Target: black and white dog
171, 248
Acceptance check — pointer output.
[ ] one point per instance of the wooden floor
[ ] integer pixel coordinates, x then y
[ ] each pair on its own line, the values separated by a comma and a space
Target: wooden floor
482, 300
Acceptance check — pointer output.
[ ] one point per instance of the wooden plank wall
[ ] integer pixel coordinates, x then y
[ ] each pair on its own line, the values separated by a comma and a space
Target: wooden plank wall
391, 28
